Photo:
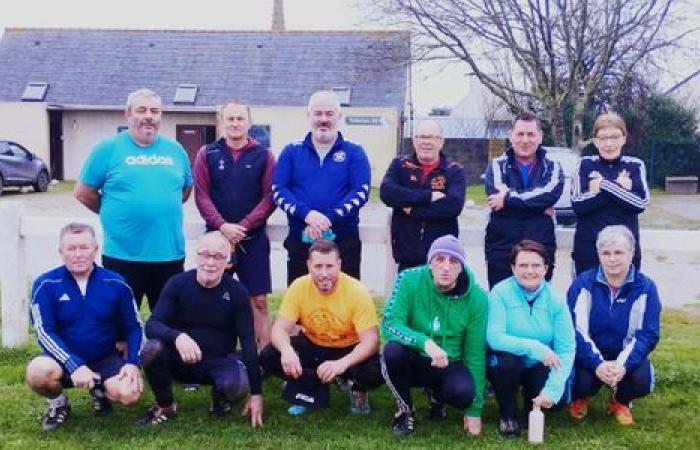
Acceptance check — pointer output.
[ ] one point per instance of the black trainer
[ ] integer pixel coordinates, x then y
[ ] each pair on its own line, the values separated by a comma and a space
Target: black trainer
156, 416
436, 409
55, 416
509, 428
100, 403
220, 407
403, 424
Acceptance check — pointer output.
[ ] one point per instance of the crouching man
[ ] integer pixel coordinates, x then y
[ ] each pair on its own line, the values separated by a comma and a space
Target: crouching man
77, 310
200, 316
339, 336
435, 327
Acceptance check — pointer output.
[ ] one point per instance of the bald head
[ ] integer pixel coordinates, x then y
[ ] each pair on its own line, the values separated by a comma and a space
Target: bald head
214, 240
428, 141
325, 99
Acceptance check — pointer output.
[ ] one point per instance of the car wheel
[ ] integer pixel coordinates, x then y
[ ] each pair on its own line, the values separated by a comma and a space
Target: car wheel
42, 182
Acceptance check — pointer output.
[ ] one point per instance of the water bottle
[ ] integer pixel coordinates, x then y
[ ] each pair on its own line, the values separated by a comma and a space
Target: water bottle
535, 431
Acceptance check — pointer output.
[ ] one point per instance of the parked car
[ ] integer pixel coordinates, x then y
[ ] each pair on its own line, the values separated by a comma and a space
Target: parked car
569, 160
20, 167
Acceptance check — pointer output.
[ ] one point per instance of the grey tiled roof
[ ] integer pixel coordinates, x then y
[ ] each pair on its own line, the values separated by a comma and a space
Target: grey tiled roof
100, 67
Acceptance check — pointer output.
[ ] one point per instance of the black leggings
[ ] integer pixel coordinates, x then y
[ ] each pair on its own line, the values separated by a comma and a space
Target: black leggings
144, 277
507, 373
162, 364
404, 368
308, 390
635, 384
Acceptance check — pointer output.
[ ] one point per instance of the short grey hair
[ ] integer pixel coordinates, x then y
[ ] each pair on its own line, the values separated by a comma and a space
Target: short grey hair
139, 93
215, 235
77, 228
329, 96
614, 235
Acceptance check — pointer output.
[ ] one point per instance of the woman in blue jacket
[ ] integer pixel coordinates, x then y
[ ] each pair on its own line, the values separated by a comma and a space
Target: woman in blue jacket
530, 337
616, 311
607, 189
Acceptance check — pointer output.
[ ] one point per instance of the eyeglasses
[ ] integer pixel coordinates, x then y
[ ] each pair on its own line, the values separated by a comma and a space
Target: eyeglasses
428, 137
613, 138
218, 257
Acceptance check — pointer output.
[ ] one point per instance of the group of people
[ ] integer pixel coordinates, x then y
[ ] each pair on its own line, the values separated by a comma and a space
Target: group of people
441, 330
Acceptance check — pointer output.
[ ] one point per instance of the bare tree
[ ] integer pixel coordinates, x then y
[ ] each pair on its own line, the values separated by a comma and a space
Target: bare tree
542, 55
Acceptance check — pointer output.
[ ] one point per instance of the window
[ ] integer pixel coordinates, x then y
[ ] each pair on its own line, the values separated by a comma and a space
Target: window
343, 94
261, 133
35, 92
186, 93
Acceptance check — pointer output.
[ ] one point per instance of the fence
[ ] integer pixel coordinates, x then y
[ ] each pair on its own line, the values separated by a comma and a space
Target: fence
20, 233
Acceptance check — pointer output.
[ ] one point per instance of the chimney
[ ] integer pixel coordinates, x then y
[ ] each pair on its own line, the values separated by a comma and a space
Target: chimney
278, 16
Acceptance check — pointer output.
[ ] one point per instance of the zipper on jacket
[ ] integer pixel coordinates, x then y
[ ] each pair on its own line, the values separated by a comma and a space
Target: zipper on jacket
422, 231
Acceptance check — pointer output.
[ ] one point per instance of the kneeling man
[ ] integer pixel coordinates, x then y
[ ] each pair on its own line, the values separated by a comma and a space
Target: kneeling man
77, 311
200, 316
339, 335
435, 325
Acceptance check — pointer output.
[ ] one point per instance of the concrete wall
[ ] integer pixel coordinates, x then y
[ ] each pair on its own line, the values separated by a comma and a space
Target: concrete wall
27, 124
82, 129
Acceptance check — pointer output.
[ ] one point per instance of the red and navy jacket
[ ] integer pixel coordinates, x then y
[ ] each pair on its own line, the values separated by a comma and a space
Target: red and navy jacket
413, 233
613, 205
337, 187
234, 190
77, 329
523, 215
623, 327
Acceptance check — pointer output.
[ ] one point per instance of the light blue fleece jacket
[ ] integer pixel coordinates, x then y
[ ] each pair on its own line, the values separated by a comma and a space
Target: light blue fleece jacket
516, 327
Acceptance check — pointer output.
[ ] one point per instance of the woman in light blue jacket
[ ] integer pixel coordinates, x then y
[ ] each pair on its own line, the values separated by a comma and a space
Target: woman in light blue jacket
530, 336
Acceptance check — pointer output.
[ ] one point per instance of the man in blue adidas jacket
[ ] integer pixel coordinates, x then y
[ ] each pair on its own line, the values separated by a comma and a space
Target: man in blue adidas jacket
522, 186
77, 310
616, 313
321, 183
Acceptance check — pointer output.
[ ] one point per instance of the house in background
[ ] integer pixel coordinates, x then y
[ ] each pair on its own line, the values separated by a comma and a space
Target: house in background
475, 130
63, 90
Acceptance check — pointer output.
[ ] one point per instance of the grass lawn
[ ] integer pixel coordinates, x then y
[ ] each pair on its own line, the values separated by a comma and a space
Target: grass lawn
666, 419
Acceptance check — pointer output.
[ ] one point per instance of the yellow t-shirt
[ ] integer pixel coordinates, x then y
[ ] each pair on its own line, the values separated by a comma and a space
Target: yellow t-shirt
330, 320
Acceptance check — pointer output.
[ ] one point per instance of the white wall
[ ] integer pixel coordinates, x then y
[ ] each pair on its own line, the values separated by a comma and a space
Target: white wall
26, 123
83, 129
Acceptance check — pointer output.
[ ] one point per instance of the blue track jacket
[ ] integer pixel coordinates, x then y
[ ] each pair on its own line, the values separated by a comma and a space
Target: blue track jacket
624, 327
77, 330
337, 187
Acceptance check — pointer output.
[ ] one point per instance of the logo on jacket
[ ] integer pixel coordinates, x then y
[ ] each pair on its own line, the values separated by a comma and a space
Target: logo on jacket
152, 160
221, 164
226, 296
64, 298
438, 183
413, 177
339, 156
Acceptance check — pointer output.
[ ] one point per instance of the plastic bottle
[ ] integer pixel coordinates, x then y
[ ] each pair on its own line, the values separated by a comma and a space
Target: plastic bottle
535, 431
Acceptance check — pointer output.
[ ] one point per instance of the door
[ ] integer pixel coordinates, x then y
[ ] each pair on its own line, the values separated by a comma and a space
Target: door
56, 144
193, 137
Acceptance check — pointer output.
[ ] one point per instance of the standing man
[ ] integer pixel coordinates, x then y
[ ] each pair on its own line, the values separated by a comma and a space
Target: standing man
202, 315
338, 339
137, 181
233, 192
435, 327
321, 183
522, 186
78, 309
426, 194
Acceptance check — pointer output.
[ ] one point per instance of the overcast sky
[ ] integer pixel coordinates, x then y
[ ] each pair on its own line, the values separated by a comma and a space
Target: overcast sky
432, 86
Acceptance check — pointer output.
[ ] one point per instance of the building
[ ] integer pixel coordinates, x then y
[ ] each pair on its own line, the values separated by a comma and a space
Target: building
63, 90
